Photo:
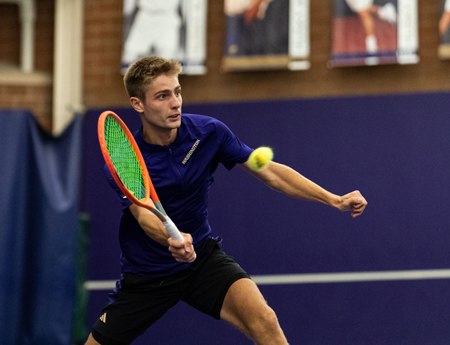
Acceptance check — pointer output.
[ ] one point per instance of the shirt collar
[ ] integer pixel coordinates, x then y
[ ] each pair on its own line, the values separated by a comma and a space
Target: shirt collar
178, 140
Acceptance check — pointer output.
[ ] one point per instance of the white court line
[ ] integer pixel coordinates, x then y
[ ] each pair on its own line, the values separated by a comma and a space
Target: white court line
314, 278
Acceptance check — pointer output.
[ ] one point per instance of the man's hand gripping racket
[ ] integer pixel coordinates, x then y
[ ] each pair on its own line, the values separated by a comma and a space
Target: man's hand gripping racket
127, 166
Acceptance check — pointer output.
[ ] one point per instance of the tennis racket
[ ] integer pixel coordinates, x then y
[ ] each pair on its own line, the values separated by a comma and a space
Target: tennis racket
127, 166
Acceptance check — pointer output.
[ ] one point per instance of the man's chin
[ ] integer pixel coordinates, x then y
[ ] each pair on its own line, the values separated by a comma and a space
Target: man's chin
174, 122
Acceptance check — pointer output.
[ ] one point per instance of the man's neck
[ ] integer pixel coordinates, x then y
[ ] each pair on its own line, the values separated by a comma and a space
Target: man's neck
160, 137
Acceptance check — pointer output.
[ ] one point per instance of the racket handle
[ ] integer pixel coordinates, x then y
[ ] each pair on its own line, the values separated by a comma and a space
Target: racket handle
173, 230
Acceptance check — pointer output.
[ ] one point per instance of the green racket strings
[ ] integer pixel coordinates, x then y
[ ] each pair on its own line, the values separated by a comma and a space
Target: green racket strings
124, 158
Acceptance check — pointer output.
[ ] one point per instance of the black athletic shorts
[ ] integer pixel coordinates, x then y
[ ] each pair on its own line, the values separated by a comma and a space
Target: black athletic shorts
141, 301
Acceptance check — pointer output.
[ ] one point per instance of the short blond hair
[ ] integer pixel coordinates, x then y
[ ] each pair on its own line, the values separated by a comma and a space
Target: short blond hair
141, 73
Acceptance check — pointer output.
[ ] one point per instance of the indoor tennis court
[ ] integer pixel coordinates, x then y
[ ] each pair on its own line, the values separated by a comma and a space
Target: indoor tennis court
380, 279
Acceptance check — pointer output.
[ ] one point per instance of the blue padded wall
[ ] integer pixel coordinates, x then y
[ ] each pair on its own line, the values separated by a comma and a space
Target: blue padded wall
394, 149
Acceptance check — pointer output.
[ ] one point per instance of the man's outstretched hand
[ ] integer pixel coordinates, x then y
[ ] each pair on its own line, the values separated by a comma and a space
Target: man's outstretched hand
354, 202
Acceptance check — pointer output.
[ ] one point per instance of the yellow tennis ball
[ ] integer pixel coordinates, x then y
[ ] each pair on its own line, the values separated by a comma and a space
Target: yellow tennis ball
260, 158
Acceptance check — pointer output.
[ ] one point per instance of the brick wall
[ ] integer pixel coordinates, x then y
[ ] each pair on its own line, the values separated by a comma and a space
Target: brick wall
18, 91
9, 33
103, 82
103, 44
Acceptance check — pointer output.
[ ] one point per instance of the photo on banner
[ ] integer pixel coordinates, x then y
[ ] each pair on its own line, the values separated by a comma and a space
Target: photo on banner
444, 32
266, 34
374, 32
173, 29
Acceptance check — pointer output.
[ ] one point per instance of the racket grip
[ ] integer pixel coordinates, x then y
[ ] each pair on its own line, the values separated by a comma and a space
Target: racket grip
173, 230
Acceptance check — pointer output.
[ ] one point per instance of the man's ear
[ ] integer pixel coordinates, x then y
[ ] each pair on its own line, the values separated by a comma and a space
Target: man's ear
137, 104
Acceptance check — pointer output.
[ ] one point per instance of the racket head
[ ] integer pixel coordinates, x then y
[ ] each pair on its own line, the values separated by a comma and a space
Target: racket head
124, 159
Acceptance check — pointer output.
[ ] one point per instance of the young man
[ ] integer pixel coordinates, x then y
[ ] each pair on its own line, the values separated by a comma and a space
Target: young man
182, 152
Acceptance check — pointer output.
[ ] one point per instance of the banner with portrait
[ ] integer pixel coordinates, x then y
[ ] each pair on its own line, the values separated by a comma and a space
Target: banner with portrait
373, 32
266, 34
444, 32
173, 29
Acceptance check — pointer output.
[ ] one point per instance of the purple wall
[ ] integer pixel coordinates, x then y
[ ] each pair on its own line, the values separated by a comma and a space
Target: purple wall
394, 149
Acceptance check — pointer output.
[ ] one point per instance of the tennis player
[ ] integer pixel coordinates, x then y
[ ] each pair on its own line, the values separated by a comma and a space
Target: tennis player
156, 28
444, 22
365, 9
182, 151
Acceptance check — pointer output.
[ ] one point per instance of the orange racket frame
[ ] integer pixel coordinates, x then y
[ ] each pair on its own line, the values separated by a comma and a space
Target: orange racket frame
150, 192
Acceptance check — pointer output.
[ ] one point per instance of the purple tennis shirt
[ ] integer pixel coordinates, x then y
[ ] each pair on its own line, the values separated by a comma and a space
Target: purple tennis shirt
182, 174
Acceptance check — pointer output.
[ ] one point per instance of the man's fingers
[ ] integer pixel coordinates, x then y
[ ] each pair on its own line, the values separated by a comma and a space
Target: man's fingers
185, 257
358, 206
182, 251
359, 203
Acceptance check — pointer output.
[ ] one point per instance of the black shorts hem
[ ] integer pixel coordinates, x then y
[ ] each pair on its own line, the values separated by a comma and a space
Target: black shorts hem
105, 340
221, 297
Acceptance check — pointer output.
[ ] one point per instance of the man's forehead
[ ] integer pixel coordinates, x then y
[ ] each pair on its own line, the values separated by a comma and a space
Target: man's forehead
163, 82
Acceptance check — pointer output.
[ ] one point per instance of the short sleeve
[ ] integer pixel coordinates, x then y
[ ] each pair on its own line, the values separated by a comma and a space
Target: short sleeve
231, 149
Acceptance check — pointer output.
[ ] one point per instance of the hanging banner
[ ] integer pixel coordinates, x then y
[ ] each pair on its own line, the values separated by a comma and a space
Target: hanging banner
266, 34
373, 32
444, 32
173, 29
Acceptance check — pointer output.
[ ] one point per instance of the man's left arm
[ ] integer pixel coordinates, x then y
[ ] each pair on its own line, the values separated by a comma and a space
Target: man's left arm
288, 181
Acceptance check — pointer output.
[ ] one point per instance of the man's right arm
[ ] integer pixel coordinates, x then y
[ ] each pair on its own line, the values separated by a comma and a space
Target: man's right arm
151, 224
154, 228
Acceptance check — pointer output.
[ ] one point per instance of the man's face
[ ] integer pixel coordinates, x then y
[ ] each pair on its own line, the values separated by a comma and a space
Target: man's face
162, 106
